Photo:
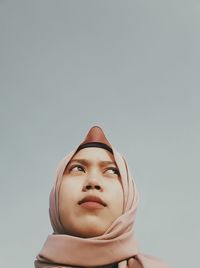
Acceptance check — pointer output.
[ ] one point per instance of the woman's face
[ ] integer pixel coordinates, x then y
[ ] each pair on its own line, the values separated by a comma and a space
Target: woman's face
91, 195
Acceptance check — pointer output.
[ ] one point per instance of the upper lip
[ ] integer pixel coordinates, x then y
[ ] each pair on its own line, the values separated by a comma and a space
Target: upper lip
92, 198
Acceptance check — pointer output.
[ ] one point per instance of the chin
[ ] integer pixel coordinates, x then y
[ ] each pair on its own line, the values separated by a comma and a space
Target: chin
90, 234
91, 231
88, 226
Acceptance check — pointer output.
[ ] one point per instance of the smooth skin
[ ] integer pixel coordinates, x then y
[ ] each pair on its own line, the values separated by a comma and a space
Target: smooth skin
87, 174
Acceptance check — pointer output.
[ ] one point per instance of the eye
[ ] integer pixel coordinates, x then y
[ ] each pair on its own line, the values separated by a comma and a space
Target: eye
115, 170
78, 168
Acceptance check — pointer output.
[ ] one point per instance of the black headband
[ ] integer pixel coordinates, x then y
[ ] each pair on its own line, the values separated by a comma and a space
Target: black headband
95, 144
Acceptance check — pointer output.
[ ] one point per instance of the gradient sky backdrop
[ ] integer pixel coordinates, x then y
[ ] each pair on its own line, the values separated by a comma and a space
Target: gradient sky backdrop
131, 67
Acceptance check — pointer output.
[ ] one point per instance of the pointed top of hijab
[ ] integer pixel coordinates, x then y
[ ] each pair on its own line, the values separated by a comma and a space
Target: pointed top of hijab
96, 138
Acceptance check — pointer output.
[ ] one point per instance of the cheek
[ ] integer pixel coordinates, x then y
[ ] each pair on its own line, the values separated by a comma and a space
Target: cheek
68, 192
120, 198
117, 197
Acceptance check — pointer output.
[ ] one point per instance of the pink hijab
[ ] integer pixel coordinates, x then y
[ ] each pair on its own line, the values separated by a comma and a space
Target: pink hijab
117, 245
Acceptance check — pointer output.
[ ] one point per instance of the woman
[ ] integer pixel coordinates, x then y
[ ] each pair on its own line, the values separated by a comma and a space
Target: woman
92, 210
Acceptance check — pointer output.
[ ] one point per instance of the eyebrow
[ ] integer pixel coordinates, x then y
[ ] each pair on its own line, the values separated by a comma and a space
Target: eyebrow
87, 163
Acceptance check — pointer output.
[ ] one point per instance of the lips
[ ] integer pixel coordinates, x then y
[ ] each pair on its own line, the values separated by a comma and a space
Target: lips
91, 199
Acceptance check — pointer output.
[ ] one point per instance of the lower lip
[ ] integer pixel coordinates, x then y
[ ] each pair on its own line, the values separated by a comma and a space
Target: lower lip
92, 205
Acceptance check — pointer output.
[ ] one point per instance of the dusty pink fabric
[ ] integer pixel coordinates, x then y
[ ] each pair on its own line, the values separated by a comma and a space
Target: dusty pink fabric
117, 245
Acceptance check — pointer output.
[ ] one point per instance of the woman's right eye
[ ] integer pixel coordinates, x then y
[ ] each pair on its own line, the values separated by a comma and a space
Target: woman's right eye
76, 168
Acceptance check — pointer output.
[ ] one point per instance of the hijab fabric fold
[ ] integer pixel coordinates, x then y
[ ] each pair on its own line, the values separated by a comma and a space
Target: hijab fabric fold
117, 245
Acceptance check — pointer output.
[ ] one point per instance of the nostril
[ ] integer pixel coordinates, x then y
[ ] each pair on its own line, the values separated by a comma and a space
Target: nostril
97, 187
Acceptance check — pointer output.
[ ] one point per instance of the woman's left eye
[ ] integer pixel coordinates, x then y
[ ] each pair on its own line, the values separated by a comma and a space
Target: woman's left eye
115, 170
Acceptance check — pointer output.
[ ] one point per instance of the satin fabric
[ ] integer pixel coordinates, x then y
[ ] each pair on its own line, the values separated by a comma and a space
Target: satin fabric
117, 245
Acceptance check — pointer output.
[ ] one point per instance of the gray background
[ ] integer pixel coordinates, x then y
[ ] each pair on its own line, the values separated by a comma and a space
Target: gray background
131, 67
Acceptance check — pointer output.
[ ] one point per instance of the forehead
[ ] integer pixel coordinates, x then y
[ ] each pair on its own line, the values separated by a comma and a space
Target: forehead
94, 154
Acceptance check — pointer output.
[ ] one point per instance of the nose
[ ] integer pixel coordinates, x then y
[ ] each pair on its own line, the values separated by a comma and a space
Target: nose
93, 183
